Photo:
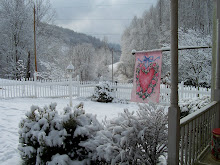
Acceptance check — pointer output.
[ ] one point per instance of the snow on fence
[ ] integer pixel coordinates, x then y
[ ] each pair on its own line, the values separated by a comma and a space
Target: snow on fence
59, 88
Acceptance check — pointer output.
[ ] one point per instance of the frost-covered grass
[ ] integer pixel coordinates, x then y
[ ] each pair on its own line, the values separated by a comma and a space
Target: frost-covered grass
13, 110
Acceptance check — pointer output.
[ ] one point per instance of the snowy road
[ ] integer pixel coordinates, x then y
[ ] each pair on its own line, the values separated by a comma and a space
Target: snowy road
12, 110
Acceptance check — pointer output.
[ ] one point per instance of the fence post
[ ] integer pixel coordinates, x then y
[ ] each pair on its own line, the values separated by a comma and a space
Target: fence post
70, 89
78, 86
35, 84
22, 87
101, 79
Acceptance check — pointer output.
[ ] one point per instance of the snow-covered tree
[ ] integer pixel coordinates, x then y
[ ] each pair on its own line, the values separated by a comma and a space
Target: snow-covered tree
21, 70
52, 71
195, 65
103, 58
152, 30
53, 43
91, 63
82, 57
16, 32
104, 92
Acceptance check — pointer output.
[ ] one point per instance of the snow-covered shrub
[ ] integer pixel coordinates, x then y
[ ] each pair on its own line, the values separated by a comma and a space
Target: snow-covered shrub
104, 92
188, 106
131, 138
49, 138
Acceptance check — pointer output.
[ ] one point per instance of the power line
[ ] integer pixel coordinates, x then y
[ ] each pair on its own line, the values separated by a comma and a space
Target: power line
95, 19
113, 34
107, 5
107, 34
126, 4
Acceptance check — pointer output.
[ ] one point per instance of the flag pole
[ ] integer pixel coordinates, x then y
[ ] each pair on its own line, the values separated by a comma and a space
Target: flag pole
165, 49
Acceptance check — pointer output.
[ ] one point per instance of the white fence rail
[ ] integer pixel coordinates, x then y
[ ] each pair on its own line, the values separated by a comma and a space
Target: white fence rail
59, 88
196, 131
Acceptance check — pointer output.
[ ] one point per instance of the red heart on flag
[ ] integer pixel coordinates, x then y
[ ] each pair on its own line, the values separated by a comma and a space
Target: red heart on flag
145, 79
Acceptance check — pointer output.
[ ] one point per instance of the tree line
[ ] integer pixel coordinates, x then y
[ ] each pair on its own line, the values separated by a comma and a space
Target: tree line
152, 31
55, 46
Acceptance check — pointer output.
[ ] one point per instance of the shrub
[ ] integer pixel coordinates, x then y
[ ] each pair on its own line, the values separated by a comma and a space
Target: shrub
104, 92
78, 138
188, 106
130, 138
46, 137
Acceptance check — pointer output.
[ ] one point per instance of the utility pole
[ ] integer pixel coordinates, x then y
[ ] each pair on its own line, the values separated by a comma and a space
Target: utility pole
112, 65
35, 51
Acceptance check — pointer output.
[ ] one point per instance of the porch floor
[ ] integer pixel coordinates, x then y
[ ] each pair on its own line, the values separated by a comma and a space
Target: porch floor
208, 160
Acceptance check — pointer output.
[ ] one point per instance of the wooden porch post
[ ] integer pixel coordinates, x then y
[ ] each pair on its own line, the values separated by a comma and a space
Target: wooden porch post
217, 85
174, 111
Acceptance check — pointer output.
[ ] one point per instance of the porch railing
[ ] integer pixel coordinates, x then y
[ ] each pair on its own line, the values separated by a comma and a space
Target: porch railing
196, 131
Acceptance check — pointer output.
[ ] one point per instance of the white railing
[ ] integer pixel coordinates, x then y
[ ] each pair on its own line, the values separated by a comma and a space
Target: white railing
195, 133
59, 88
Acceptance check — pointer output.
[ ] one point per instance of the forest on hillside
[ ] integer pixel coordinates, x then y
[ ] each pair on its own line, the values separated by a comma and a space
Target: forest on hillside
152, 31
55, 46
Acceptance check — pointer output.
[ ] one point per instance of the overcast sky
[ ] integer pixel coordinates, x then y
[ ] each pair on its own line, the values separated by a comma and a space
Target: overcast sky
99, 18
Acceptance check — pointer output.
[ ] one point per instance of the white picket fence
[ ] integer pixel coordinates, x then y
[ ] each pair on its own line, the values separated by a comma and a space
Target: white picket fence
60, 88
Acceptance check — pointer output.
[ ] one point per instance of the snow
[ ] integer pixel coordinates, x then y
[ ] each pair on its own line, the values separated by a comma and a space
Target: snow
13, 110
115, 66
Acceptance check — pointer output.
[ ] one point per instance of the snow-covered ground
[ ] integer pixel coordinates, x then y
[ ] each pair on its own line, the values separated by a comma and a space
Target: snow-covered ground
12, 110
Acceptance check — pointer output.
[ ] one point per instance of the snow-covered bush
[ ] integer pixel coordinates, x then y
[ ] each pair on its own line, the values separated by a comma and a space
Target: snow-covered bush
104, 92
49, 138
188, 106
131, 138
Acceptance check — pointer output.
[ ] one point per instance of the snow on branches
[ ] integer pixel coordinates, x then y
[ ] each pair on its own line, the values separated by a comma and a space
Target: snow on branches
104, 92
131, 138
49, 138
188, 106
75, 137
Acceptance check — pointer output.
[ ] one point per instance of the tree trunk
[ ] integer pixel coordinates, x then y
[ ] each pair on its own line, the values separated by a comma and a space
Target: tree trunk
28, 72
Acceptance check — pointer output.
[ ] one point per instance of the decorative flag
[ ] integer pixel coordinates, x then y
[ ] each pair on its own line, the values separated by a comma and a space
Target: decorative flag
146, 84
